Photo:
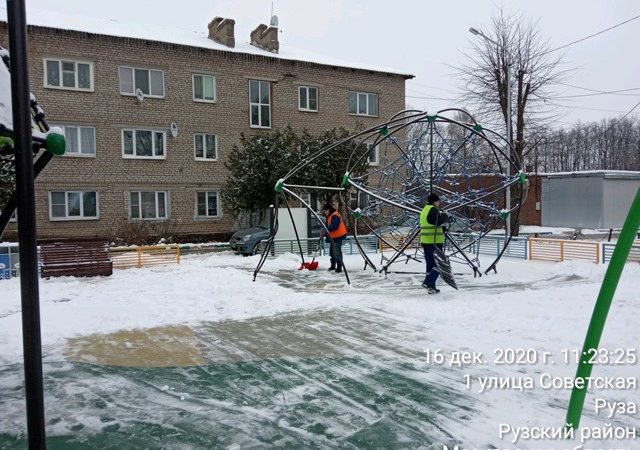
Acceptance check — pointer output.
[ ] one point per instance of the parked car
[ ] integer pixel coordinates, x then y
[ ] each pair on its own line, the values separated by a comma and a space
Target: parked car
247, 241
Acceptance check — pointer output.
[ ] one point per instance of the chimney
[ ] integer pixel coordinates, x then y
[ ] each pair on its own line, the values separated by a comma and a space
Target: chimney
221, 31
266, 38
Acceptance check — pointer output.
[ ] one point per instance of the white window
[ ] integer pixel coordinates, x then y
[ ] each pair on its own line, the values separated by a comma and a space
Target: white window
308, 98
143, 144
353, 199
207, 205
148, 205
73, 205
204, 88
205, 146
79, 140
373, 158
260, 103
68, 74
149, 81
363, 103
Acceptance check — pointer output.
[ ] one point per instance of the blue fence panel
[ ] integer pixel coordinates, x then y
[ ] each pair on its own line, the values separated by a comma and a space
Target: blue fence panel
369, 244
607, 252
5, 266
492, 245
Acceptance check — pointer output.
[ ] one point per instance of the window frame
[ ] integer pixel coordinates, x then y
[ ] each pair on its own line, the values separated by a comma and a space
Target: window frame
67, 217
259, 105
204, 135
45, 77
376, 148
156, 218
368, 108
133, 75
218, 204
193, 87
307, 88
153, 143
79, 154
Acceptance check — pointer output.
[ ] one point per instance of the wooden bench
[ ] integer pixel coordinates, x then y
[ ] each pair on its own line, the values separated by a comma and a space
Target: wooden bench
75, 259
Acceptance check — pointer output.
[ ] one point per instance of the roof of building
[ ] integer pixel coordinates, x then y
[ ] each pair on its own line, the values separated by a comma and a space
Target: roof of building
199, 39
594, 173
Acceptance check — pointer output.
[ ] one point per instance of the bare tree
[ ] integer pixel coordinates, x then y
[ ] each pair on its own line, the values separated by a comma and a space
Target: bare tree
511, 48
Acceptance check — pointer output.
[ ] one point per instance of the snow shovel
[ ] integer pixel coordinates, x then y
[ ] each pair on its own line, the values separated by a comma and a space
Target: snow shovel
313, 265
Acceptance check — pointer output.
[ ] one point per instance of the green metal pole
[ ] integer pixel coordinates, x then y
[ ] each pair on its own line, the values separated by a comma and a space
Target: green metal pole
600, 311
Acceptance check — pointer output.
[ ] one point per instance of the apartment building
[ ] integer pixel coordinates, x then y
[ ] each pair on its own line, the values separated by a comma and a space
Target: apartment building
150, 116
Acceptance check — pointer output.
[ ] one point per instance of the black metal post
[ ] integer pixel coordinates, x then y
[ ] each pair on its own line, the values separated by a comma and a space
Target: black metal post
25, 189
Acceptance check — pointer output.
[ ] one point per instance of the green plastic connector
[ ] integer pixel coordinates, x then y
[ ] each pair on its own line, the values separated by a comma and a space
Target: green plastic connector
504, 214
279, 185
357, 213
55, 143
384, 131
432, 117
346, 180
522, 177
6, 142
477, 128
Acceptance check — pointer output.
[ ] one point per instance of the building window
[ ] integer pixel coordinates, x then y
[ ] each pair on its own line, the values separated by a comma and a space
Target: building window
363, 103
79, 140
204, 88
143, 144
207, 204
373, 158
73, 205
149, 81
308, 98
148, 205
66, 74
206, 146
260, 103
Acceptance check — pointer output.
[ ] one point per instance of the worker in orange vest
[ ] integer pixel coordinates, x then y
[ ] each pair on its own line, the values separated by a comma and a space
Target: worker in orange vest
337, 231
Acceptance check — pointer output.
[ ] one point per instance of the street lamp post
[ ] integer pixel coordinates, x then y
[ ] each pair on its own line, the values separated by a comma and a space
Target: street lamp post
508, 81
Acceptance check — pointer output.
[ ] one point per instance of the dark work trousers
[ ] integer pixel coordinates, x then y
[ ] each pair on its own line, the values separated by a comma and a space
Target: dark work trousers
335, 252
432, 272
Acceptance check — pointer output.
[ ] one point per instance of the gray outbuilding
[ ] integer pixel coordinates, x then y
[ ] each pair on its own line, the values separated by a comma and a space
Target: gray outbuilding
592, 199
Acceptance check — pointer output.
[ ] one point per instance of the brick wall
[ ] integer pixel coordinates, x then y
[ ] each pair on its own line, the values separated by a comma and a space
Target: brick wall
529, 215
179, 173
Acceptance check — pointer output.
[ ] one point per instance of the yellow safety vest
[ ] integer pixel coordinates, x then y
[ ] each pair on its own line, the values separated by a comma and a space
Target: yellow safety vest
429, 234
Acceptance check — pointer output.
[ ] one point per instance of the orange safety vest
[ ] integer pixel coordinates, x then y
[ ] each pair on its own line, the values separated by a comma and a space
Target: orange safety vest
341, 230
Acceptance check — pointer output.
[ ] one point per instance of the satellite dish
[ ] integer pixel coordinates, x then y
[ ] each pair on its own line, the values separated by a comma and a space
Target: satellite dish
139, 94
274, 21
174, 129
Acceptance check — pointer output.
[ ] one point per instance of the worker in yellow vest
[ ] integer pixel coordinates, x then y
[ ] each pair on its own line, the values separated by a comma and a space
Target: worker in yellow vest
432, 237
337, 231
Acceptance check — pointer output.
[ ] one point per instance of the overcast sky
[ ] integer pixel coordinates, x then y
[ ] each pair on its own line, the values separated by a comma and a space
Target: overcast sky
420, 37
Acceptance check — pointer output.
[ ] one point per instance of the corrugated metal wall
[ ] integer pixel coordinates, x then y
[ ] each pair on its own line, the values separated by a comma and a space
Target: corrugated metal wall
618, 196
587, 200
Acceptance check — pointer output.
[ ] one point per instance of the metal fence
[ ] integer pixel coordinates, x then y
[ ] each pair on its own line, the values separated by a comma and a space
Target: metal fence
563, 250
607, 252
369, 244
492, 245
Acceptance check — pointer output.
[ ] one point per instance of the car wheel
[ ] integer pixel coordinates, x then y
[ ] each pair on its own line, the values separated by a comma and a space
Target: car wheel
257, 249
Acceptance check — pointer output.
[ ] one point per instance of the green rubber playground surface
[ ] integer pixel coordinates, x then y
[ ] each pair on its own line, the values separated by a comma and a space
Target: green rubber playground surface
289, 381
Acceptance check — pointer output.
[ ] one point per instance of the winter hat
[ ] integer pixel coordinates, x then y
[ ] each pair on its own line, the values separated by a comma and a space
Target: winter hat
432, 198
327, 207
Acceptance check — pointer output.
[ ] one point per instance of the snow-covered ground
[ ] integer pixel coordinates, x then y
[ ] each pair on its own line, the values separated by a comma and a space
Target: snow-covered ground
198, 355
